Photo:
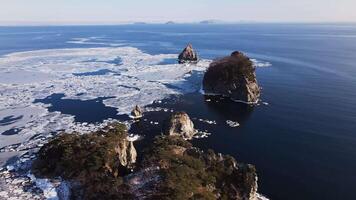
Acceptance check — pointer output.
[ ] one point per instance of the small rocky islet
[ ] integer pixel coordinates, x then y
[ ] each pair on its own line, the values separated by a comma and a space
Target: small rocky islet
188, 55
106, 165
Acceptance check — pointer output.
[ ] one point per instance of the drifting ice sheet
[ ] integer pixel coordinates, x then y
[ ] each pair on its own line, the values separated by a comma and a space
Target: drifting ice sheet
140, 79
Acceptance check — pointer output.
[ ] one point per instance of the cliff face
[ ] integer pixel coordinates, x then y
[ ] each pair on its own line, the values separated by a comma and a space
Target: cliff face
233, 76
179, 124
126, 152
188, 55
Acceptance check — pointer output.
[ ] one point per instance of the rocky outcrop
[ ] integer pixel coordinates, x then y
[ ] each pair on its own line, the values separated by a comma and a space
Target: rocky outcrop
126, 152
95, 162
179, 124
72, 155
137, 112
234, 77
170, 168
188, 55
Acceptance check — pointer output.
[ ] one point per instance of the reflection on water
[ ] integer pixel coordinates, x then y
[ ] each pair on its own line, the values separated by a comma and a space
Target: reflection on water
227, 109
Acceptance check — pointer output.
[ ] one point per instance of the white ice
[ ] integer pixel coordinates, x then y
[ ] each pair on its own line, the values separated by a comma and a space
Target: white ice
49, 190
139, 80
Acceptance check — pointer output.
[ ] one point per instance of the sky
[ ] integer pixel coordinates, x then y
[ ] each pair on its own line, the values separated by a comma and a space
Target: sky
121, 11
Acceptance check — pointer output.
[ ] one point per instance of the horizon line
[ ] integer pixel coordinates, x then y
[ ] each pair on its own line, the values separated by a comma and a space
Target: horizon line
113, 23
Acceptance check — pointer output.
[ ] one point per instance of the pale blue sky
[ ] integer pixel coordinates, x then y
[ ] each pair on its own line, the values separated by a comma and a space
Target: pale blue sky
113, 11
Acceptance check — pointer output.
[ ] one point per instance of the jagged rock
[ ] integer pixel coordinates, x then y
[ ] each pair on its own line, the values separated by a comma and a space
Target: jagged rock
188, 55
137, 112
234, 77
179, 124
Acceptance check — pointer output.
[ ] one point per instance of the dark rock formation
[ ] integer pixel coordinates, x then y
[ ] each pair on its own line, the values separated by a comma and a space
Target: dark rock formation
233, 76
137, 112
188, 55
179, 124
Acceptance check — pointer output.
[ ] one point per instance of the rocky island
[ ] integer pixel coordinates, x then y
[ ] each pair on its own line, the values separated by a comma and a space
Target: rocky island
234, 77
103, 165
136, 112
179, 124
188, 55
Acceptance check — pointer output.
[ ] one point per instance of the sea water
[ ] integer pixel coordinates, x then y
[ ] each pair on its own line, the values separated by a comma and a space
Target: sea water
302, 136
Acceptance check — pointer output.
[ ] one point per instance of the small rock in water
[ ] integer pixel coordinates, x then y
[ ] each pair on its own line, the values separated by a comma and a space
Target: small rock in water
179, 124
188, 55
137, 112
232, 123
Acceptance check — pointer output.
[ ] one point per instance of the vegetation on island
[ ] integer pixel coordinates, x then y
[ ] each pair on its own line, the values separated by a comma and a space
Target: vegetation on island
183, 171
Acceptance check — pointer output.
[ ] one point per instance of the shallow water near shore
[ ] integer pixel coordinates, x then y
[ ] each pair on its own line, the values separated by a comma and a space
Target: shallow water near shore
302, 140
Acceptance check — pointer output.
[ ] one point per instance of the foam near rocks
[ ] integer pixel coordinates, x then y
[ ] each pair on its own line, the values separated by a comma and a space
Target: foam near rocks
259, 63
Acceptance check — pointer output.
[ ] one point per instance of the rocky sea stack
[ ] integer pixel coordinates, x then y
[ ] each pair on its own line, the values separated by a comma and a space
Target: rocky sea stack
188, 55
179, 124
234, 77
137, 112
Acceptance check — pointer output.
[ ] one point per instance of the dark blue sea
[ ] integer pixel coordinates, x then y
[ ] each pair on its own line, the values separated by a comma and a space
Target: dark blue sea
303, 143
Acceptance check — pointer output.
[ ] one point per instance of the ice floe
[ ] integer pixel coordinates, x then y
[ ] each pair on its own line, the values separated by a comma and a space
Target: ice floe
259, 63
140, 79
49, 190
232, 123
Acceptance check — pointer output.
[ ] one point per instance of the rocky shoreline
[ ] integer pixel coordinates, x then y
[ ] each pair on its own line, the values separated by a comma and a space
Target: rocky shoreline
43, 187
